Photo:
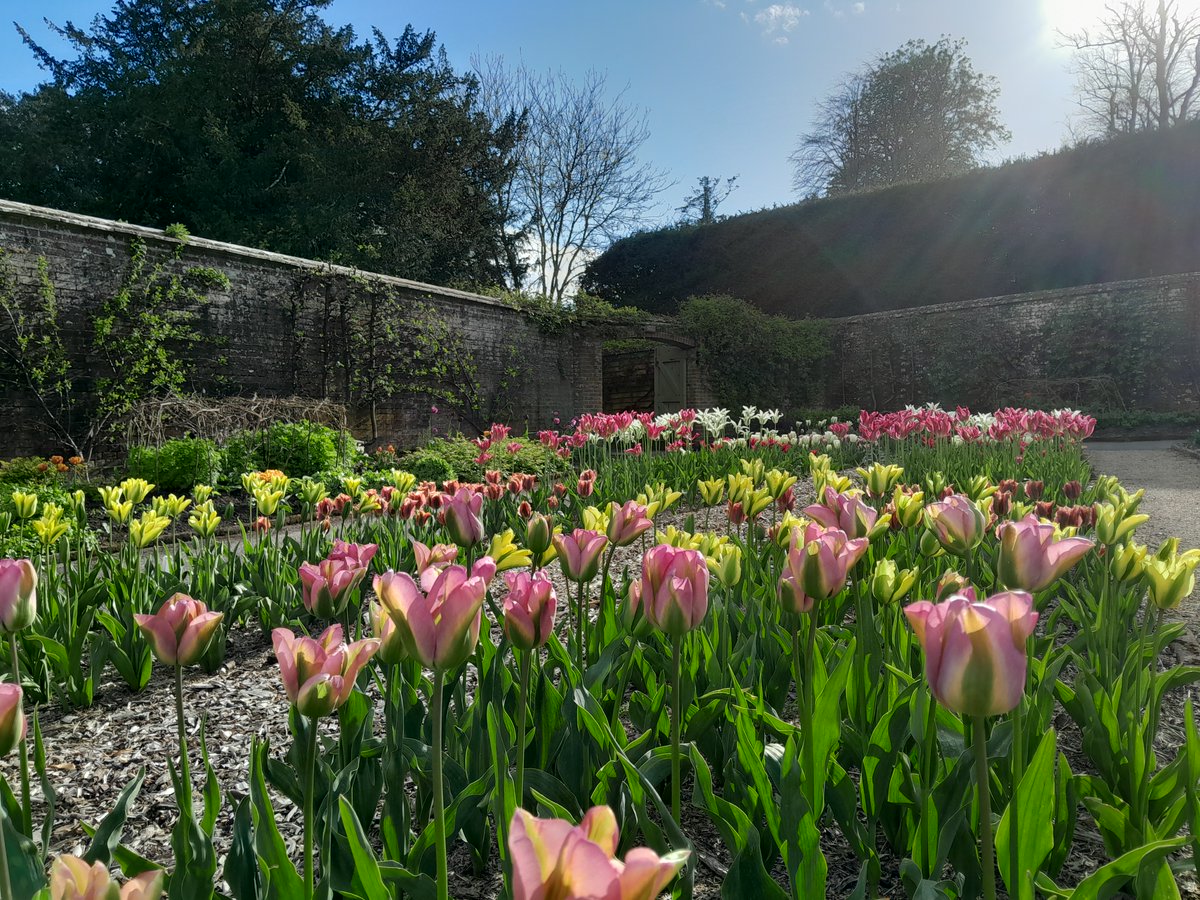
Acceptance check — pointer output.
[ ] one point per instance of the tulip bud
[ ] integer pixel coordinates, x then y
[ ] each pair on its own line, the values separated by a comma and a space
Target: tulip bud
952, 583
909, 507
627, 523
1030, 559
25, 503
464, 518
529, 609
1128, 562
18, 595
1171, 577
538, 531
12, 718
889, 583
957, 523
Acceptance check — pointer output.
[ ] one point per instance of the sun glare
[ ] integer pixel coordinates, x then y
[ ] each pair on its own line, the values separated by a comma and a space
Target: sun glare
1071, 15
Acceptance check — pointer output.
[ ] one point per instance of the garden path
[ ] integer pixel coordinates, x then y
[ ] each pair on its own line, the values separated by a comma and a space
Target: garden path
1172, 483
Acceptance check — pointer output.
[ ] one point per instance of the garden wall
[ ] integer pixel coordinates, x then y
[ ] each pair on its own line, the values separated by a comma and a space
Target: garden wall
1125, 344
280, 329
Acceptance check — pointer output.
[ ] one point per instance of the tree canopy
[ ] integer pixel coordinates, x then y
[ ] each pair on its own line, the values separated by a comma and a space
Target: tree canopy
919, 113
257, 122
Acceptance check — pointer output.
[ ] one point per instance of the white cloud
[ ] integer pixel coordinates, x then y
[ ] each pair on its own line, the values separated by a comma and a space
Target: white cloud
778, 19
858, 8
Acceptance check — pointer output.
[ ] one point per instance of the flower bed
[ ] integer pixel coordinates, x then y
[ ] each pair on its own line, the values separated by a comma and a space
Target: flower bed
753, 655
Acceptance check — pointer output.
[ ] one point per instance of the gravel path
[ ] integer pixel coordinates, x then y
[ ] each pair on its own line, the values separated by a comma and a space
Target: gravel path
1171, 480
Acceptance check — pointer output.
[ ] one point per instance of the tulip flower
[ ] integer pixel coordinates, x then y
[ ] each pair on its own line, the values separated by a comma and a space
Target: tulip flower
975, 651
1171, 576
817, 566
431, 561
464, 518
319, 674
504, 551
529, 609
889, 583
12, 718
1128, 561
1030, 559
627, 523
579, 553
180, 632
1115, 523
674, 595
538, 532
553, 859
957, 523
71, 878
18, 595
439, 627
909, 507
975, 662
847, 513
383, 629
880, 479
328, 586
674, 588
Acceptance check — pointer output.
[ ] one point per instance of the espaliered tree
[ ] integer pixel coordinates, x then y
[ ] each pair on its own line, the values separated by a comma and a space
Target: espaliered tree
256, 121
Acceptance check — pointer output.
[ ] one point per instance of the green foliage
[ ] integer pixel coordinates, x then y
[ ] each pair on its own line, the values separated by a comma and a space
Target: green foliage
178, 465
1134, 419
1058, 220
27, 469
427, 465
262, 124
143, 332
749, 355
584, 310
295, 448
460, 454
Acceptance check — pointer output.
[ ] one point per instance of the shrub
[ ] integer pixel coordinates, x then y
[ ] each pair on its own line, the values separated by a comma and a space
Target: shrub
750, 355
461, 454
297, 448
178, 465
27, 469
427, 465
46, 493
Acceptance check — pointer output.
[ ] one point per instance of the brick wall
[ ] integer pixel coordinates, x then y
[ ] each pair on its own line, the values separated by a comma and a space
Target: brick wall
1127, 344
276, 331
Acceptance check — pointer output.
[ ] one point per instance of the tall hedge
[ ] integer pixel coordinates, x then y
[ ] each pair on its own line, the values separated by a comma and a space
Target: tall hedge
1129, 208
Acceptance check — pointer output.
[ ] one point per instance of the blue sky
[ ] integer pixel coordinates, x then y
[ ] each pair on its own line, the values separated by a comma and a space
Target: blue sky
728, 85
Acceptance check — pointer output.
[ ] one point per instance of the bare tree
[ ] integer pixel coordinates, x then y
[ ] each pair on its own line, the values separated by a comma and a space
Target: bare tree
579, 183
1139, 68
919, 113
700, 206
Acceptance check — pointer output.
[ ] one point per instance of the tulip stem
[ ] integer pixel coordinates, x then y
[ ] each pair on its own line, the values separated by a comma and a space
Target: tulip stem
983, 785
522, 714
580, 639
439, 808
1018, 770
26, 823
806, 716
310, 772
677, 693
185, 772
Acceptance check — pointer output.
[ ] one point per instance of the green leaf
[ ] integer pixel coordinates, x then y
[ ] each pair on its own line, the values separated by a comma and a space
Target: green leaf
281, 880
368, 883
1109, 879
24, 859
1035, 815
108, 832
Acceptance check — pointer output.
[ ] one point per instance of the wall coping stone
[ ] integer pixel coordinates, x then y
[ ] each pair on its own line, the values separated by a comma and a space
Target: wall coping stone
111, 226
1181, 279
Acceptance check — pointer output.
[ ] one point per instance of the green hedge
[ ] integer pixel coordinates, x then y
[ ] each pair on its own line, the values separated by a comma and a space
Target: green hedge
178, 465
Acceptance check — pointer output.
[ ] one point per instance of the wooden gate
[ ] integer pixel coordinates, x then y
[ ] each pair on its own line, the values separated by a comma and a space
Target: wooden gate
670, 378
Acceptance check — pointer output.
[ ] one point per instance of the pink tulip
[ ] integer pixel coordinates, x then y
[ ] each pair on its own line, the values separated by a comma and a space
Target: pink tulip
627, 523
18, 594
439, 627
845, 512
529, 609
73, 879
1030, 559
975, 652
12, 718
579, 553
957, 523
329, 585
674, 588
431, 561
817, 565
355, 556
181, 631
555, 860
319, 674
464, 518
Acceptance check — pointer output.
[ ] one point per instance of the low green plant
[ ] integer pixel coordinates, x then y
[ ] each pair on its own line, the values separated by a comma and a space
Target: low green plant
428, 465
297, 448
178, 465
462, 456
27, 469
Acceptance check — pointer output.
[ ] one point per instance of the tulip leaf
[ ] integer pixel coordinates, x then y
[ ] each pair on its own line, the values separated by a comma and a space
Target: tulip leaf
1036, 818
25, 868
108, 832
49, 796
1109, 879
241, 864
281, 881
368, 883
212, 788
